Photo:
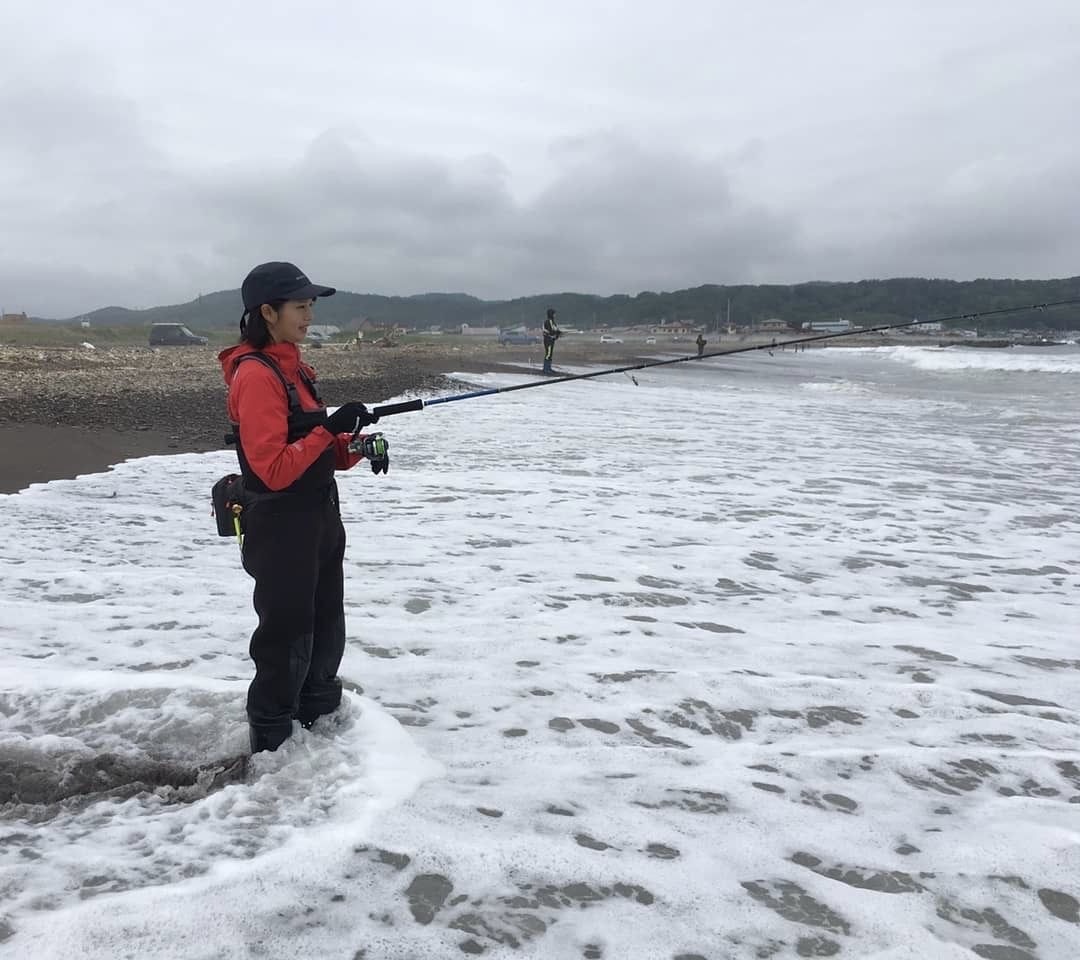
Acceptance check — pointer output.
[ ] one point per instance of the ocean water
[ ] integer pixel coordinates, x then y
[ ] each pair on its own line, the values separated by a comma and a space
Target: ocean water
774, 656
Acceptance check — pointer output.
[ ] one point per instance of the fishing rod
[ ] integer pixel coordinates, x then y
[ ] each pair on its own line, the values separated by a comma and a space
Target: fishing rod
409, 406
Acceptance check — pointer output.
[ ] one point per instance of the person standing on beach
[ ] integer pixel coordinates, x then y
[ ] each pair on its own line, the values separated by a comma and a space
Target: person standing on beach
700, 341
551, 334
294, 540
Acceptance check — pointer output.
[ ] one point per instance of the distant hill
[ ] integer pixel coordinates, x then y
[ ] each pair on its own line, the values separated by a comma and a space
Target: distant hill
865, 302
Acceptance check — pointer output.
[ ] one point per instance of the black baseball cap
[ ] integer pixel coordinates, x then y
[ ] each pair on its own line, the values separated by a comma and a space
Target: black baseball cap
278, 280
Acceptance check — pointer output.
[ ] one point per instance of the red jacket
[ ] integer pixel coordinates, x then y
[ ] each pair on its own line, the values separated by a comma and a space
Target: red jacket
258, 402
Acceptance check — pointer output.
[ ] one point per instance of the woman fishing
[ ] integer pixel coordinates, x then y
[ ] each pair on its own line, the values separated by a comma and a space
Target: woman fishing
294, 540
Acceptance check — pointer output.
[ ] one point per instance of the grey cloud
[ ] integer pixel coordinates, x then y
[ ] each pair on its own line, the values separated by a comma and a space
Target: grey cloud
71, 141
637, 217
1006, 224
961, 164
615, 216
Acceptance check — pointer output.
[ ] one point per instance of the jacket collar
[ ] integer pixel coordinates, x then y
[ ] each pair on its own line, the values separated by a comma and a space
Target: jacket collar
285, 355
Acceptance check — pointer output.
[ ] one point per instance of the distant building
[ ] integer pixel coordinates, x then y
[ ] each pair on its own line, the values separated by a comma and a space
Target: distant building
675, 327
828, 326
322, 332
13, 318
467, 331
772, 325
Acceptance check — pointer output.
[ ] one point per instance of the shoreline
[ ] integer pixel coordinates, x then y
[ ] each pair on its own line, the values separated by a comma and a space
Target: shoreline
40, 453
66, 411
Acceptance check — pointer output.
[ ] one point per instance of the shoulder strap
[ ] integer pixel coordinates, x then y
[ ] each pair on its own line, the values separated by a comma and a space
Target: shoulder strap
310, 384
290, 388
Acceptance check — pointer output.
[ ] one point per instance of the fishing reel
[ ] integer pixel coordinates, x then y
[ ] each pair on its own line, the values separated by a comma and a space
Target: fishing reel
374, 448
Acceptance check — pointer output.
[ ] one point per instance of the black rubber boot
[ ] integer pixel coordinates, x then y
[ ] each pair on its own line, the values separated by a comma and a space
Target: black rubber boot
266, 737
320, 695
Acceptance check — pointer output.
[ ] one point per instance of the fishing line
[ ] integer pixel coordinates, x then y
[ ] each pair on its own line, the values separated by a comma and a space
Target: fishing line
409, 406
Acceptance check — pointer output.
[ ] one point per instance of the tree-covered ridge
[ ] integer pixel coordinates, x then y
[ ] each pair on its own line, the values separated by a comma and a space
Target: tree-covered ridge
864, 303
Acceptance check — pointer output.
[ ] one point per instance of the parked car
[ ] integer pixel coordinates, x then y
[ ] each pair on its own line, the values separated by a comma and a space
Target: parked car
517, 338
650, 339
174, 335
604, 338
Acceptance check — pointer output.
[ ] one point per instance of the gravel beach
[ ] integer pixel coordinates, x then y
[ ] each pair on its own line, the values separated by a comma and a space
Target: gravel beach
70, 411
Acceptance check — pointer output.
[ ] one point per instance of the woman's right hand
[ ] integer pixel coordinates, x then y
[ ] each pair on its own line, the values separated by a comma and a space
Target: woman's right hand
349, 418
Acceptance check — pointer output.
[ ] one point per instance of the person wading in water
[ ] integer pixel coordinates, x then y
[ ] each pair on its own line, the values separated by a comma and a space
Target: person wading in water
294, 540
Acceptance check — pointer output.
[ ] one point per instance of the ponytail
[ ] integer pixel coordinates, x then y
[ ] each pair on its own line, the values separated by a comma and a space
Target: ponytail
253, 329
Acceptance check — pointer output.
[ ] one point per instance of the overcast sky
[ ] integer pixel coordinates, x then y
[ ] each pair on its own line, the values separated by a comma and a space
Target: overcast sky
151, 150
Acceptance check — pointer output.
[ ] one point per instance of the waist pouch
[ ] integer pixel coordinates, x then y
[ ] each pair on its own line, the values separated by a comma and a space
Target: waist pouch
229, 498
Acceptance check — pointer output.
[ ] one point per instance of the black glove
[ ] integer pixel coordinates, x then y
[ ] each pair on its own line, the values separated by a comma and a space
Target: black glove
349, 418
